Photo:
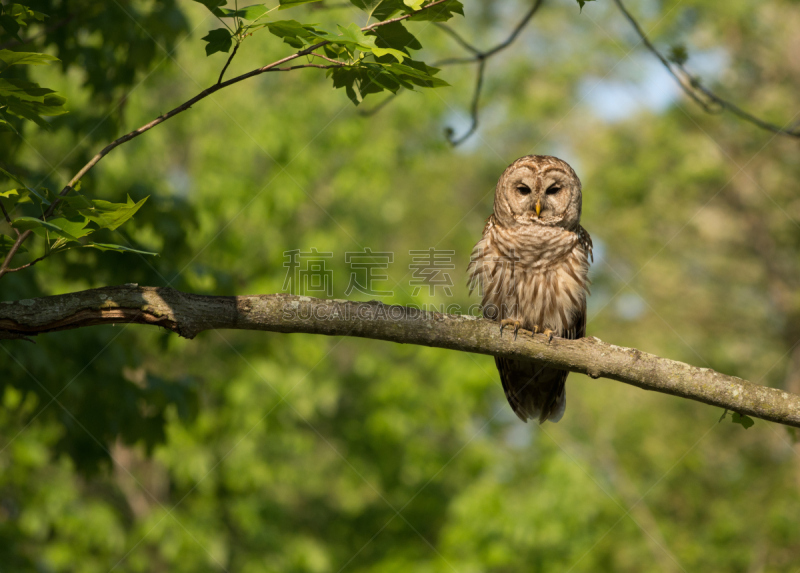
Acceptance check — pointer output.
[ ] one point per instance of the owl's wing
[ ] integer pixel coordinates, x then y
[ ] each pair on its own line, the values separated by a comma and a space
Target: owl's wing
476, 269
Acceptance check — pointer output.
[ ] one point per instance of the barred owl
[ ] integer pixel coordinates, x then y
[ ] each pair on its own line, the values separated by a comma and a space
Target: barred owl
532, 264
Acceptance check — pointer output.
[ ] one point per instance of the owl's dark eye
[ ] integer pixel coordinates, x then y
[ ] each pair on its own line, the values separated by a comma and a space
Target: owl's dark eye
524, 190
552, 190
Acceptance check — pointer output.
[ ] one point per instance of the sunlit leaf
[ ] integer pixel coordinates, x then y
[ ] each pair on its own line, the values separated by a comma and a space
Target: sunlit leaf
70, 230
111, 215
9, 58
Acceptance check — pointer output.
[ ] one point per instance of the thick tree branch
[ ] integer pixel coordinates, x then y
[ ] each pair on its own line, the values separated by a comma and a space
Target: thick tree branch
273, 67
190, 314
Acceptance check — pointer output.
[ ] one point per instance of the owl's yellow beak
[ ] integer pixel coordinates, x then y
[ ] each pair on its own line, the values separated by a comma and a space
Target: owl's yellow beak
538, 207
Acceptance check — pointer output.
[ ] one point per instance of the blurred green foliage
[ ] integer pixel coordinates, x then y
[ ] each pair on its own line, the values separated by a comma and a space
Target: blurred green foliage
128, 449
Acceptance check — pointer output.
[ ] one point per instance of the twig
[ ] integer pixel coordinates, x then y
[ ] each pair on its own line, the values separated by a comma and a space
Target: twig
190, 314
329, 59
228, 63
183, 107
476, 95
480, 57
8, 219
30, 264
691, 86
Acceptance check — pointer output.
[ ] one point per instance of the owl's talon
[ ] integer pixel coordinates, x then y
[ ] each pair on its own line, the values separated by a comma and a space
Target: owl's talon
549, 334
510, 322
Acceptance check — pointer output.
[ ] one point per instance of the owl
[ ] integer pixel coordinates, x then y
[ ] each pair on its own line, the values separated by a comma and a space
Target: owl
532, 266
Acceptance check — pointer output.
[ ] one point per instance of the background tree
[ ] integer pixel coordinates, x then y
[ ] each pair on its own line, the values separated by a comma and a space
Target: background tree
130, 449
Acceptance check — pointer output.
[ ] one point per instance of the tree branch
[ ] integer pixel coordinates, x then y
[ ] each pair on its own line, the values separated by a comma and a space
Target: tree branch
190, 314
274, 66
228, 63
480, 57
692, 86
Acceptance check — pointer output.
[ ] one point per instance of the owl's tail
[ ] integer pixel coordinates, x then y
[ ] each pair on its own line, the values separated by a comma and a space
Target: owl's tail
533, 391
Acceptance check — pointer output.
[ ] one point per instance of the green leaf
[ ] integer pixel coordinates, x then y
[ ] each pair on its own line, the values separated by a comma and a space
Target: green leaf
294, 33
440, 13
395, 36
10, 25
22, 89
212, 5
7, 242
247, 13
285, 4
418, 73
380, 9
17, 180
30, 101
353, 38
5, 126
9, 193
9, 58
111, 215
118, 248
414, 4
582, 2
745, 421
219, 40
399, 56
69, 230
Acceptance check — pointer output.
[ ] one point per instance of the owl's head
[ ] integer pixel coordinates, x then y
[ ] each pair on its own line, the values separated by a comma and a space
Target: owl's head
538, 190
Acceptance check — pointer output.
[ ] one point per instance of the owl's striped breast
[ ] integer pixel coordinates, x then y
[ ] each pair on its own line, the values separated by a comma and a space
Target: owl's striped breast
534, 274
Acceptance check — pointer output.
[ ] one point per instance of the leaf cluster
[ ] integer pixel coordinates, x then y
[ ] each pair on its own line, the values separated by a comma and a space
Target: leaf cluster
364, 61
76, 218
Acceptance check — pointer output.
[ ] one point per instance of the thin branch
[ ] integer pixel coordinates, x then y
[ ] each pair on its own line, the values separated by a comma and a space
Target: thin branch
340, 64
459, 40
228, 63
474, 108
692, 86
30, 264
480, 57
8, 219
190, 314
274, 66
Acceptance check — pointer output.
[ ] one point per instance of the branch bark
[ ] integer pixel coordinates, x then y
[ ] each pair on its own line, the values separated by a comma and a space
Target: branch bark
190, 314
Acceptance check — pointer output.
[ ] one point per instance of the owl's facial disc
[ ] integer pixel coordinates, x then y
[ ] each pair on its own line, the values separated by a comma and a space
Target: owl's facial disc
539, 190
